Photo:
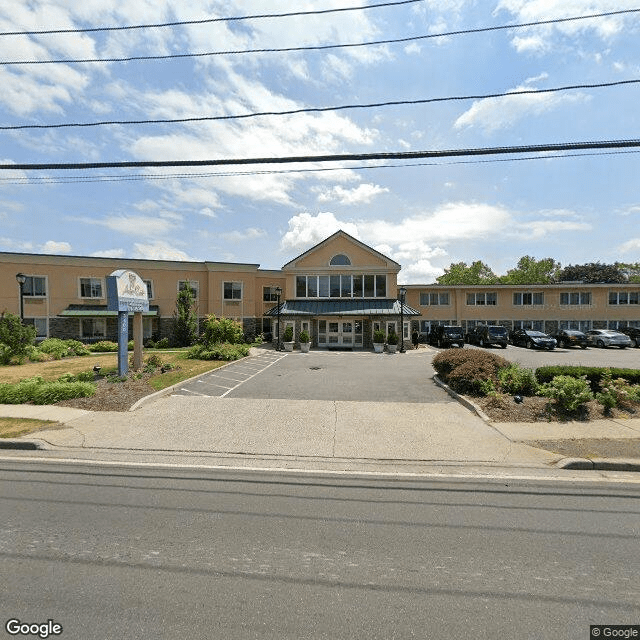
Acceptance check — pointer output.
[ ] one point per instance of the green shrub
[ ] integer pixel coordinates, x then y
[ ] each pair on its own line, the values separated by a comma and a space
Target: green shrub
76, 348
288, 334
592, 374
515, 379
39, 392
569, 393
218, 352
104, 346
82, 376
15, 338
378, 336
54, 347
392, 338
616, 392
162, 344
304, 336
35, 355
130, 345
221, 330
467, 370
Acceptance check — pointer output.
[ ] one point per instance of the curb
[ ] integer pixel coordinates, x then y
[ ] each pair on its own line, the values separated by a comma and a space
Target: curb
26, 445
599, 464
472, 406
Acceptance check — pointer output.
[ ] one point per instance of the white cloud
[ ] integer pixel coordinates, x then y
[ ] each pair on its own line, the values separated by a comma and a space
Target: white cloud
51, 246
629, 245
248, 234
11, 244
133, 225
362, 194
306, 230
109, 253
492, 114
160, 250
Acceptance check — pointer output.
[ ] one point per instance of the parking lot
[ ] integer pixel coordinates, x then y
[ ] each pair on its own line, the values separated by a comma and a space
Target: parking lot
591, 357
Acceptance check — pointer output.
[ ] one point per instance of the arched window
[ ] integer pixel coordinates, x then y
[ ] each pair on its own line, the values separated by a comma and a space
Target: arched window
340, 259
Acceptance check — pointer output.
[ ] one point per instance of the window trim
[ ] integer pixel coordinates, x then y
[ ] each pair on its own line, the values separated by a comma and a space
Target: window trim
475, 303
31, 296
233, 289
149, 284
91, 280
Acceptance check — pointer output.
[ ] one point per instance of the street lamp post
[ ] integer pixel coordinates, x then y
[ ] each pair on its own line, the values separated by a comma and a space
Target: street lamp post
278, 293
403, 293
21, 278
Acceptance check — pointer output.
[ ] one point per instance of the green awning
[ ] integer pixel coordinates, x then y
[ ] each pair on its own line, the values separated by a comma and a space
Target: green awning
101, 313
350, 307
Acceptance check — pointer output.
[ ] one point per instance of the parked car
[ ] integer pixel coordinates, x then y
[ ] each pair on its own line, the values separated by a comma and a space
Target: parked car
570, 338
446, 336
608, 338
484, 335
633, 333
530, 339
423, 337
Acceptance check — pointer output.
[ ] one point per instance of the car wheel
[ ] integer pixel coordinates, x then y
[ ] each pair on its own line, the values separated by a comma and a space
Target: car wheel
637, 342
562, 344
529, 345
600, 344
622, 346
583, 346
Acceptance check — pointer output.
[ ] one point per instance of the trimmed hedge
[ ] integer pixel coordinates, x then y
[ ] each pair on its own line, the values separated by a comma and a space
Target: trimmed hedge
39, 392
593, 374
218, 352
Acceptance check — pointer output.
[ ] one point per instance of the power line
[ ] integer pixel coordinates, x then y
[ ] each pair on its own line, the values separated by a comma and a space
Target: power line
231, 174
175, 56
395, 155
207, 20
371, 105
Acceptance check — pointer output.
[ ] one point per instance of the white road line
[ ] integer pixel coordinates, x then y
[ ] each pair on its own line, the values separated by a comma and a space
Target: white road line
213, 384
223, 378
195, 393
255, 374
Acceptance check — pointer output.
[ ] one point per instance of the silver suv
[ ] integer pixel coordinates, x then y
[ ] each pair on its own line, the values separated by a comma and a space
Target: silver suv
608, 338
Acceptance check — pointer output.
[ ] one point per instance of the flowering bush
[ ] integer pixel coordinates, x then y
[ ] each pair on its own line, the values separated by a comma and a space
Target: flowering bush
568, 392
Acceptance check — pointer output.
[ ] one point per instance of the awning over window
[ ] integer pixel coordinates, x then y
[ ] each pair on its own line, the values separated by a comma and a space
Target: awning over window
99, 311
375, 307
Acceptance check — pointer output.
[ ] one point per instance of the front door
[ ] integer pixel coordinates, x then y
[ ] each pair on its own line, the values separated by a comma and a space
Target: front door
340, 333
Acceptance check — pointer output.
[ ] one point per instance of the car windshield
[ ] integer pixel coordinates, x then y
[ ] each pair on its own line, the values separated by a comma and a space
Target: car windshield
536, 334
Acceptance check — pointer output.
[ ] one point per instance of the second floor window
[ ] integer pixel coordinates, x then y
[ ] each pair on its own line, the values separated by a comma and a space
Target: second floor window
35, 286
575, 298
269, 294
482, 298
623, 297
233, 290
434, 299
528, 298
90, 287
191, 284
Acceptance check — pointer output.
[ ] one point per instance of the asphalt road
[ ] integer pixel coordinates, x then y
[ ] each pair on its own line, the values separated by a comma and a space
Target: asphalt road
113, 552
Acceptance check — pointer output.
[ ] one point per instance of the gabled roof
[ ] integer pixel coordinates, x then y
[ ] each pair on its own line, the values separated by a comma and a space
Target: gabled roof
344, 234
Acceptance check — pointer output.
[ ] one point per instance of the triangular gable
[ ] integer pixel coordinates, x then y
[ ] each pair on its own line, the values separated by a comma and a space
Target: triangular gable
360, 254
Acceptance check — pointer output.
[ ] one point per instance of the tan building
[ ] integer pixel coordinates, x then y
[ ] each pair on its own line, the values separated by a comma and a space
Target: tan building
340, 290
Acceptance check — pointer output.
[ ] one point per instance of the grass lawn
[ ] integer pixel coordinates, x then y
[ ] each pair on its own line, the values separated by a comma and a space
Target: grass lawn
108, 362
16, 427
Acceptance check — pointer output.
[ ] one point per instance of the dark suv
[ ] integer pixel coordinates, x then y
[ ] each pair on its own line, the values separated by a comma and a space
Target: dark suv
570, 338
633, 333
484, 335
446, 336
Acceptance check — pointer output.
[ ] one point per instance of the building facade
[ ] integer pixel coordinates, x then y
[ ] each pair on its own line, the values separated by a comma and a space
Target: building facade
340, 291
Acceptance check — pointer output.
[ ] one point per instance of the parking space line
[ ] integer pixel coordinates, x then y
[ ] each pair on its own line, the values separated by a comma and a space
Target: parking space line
195, 393
223, 378
255, 374
212, 384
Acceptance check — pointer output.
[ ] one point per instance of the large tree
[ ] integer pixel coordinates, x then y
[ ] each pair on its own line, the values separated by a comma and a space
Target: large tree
185, 318
593, 273
532, 271
461, 273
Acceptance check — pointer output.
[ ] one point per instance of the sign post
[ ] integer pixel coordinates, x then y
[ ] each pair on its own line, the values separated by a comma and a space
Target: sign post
127, 293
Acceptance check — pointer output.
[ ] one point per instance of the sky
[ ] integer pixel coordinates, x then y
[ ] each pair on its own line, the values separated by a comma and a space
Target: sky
426, 216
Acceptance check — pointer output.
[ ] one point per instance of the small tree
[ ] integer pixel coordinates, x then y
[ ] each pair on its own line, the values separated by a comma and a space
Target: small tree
185, 319
15, 338
221, 330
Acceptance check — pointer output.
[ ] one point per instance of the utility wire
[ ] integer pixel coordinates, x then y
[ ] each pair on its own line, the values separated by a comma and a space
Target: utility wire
371, 105
232, 174
207, 20
396, 155
174, 56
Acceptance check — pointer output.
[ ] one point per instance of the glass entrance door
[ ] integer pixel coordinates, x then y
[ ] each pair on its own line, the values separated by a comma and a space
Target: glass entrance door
340, 333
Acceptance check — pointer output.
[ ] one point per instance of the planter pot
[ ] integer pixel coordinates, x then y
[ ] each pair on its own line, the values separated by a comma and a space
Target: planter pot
392, 348
304, 347
287, 346
378, 347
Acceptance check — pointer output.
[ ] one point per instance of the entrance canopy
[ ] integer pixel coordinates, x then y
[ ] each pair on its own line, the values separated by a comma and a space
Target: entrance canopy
350, 307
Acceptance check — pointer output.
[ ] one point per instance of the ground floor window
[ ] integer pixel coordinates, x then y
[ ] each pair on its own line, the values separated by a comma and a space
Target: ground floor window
40, 324
534, 325
93, 327
619, 324
575, 325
